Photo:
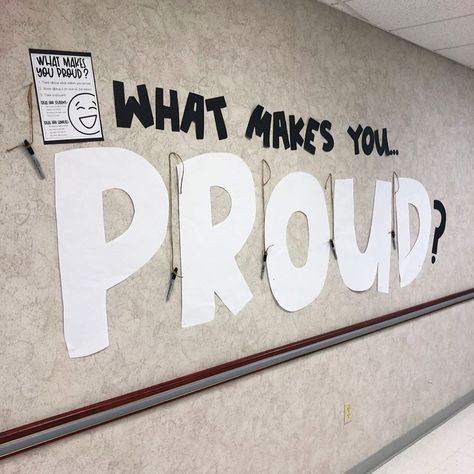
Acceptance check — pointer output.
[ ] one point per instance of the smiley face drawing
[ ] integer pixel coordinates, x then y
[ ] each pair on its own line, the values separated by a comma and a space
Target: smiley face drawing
83, 113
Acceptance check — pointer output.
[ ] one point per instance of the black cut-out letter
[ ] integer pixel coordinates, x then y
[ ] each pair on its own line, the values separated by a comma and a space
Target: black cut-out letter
124, 112
164, 111
326, 134
215, 105
313, 125
368, 145
355, 134
260, 123
382, 147
280, 130
295, 132
194, 112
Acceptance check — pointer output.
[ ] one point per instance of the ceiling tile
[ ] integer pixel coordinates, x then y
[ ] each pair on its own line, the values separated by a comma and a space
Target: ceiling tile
394, 14
443, 26
445, 34
463, 54
346, 8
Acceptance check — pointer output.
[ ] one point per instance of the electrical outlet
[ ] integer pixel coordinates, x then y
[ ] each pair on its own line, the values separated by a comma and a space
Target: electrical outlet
347, 412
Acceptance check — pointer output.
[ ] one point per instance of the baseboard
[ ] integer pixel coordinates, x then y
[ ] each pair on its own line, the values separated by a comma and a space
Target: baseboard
395, 447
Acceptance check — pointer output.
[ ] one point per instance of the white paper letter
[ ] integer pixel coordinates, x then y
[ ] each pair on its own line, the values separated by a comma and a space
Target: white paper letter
294, 288
410, 260
358, 270
90, 265
208, 251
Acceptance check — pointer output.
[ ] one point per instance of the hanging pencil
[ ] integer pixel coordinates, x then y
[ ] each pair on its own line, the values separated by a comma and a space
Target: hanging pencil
179, 184
264, 182
331, 238
394, 215
28, 143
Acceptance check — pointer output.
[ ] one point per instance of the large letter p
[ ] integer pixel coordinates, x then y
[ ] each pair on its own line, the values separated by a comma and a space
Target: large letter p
89, 265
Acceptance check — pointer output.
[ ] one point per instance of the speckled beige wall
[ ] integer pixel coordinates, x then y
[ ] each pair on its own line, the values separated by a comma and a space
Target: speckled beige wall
297, 56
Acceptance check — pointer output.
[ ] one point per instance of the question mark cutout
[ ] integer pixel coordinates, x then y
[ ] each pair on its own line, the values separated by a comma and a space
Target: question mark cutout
439, 231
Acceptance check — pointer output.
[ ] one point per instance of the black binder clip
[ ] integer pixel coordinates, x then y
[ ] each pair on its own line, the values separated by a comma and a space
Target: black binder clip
264, 264
33, 159
173, 276
333, 248
392, 233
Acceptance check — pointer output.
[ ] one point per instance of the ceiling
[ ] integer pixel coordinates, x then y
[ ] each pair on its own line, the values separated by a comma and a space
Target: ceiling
445, 27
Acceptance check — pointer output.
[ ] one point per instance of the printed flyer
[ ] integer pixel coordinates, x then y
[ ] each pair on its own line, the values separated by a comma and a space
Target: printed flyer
67, 96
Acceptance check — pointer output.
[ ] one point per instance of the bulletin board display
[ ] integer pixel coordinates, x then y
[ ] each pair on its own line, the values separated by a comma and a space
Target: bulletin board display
88, 254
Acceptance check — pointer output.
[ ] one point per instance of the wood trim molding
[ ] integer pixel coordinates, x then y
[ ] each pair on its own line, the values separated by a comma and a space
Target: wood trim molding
275, 355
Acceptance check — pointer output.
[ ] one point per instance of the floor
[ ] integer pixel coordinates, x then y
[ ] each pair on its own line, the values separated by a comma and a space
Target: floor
447, 450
